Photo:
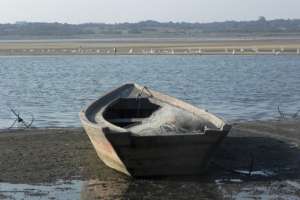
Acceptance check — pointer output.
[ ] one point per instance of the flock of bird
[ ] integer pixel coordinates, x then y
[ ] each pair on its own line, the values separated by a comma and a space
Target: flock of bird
193, 51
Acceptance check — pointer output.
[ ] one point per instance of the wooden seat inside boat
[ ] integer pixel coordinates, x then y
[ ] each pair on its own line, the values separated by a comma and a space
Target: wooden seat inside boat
125, 112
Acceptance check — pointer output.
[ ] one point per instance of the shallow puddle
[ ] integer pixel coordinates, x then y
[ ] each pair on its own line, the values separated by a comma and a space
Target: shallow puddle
152, 189
261, 190
95, 189
59, 190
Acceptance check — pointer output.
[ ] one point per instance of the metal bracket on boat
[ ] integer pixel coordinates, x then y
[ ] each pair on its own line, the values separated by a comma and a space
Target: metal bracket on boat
142, 92
20, 120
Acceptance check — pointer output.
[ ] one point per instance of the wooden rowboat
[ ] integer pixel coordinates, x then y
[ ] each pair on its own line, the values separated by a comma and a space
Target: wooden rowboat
142, 133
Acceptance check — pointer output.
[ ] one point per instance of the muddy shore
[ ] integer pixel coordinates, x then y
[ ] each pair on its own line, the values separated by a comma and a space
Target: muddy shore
46, 155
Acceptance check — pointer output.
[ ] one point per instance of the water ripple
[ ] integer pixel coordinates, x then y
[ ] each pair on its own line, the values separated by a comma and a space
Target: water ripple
55, 88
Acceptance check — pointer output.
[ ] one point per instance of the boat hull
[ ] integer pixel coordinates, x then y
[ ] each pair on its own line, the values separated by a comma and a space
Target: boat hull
104, 148
153, 155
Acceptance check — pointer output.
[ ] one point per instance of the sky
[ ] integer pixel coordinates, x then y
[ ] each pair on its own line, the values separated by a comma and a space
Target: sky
117, 11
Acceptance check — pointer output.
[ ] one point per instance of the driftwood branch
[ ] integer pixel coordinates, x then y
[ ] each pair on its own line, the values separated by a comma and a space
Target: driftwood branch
282, 115
20, 120
287, 115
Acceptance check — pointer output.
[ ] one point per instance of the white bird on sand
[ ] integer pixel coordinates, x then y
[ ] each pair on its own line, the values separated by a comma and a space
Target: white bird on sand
255, 49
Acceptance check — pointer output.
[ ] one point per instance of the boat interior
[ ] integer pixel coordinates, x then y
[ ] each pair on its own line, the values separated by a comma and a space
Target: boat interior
142, 112
125, 112
147, 116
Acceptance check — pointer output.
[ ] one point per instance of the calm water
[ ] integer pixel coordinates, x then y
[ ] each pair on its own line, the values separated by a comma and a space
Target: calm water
55, 88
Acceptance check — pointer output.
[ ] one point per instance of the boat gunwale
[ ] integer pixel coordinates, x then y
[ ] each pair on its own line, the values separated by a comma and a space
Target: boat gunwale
102, 123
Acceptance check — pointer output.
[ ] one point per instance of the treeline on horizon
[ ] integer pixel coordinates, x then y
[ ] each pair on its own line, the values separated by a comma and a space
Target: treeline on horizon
150, 28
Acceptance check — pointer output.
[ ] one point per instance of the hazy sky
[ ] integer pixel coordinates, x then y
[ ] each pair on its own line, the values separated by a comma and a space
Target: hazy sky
110, 11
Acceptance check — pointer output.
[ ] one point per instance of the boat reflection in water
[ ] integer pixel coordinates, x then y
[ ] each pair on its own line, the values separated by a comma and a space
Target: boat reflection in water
148, 189
95, 189
125, 188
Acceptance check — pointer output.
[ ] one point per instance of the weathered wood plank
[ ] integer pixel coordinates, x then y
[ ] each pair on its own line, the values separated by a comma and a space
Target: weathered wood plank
162, 152
174, 140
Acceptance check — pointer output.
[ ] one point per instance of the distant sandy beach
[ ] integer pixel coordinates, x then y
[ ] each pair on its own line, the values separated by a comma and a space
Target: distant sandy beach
261, 46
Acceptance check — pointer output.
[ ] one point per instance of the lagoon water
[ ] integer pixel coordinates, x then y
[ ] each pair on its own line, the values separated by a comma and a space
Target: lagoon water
54, 88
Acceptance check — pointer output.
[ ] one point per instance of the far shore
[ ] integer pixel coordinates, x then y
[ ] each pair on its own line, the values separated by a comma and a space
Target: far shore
275, 46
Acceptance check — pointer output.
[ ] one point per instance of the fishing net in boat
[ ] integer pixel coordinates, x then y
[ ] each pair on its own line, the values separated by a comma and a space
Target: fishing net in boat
170, 121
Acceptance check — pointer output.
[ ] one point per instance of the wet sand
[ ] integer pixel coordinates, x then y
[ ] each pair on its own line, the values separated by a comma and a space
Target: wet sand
247, 46
46, 156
